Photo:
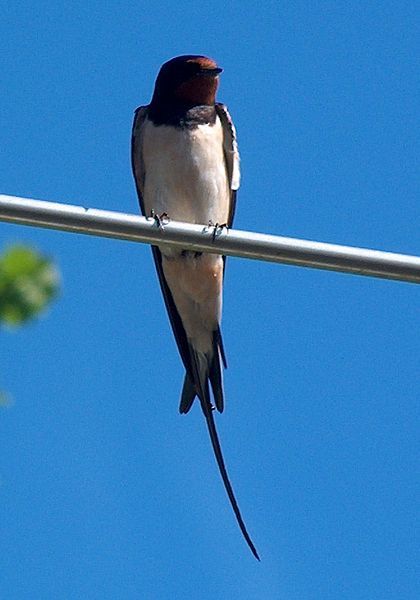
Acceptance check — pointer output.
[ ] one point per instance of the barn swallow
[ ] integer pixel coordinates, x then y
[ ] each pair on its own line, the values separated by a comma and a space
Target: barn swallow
186, 166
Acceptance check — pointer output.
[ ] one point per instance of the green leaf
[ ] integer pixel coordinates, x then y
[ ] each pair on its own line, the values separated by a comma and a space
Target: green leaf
28, 283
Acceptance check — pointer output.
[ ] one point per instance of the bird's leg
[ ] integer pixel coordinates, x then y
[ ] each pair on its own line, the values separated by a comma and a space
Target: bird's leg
160, 220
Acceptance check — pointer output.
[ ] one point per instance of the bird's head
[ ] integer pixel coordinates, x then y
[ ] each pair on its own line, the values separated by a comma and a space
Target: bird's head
189, 79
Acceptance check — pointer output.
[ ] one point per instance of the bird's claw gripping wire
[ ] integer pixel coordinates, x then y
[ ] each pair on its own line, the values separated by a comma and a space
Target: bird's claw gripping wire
160, 220
217, 229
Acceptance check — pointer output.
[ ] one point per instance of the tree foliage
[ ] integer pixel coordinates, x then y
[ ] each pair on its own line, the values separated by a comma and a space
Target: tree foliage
28, 283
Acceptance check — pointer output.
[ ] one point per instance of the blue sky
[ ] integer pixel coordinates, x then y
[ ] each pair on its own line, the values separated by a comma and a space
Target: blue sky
105, 490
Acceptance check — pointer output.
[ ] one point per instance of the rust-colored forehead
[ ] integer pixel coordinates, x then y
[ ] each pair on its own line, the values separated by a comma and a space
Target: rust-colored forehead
203, 61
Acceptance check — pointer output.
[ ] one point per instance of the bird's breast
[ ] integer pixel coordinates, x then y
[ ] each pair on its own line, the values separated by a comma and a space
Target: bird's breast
185, 172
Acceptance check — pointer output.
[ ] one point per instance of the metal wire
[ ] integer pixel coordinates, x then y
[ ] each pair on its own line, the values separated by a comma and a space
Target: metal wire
204, 238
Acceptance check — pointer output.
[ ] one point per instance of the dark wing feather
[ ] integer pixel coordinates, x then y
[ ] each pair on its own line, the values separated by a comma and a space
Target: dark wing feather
174, 318
230, 147
231, 152
137, 164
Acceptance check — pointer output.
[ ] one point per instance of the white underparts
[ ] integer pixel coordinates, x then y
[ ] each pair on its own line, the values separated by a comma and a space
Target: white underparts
186, 178
186, 173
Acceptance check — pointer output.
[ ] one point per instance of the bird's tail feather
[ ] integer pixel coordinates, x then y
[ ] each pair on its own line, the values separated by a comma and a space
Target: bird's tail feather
202, 372
209, 367
228, 486
187, 396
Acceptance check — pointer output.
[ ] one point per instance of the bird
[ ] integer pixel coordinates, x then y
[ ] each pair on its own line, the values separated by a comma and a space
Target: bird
185, 164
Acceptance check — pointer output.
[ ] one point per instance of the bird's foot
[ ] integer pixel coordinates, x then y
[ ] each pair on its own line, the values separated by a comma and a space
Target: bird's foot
217, 229
160, 220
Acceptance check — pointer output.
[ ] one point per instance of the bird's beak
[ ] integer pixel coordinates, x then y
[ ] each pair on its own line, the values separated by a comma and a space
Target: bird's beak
211, 72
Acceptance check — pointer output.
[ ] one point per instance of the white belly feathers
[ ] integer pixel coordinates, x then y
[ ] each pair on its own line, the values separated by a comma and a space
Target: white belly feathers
186, 173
